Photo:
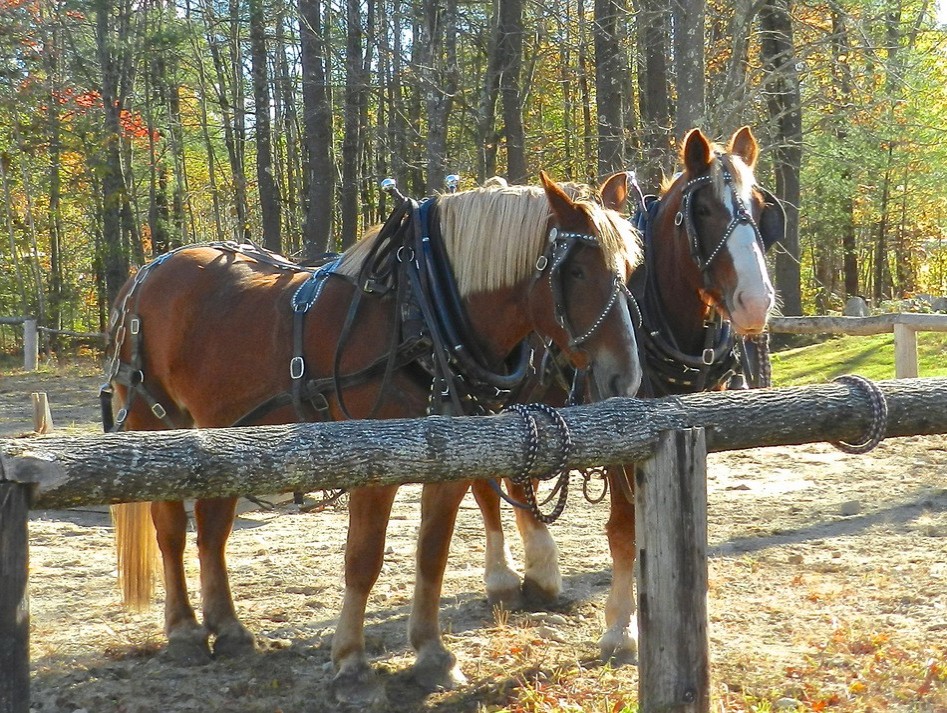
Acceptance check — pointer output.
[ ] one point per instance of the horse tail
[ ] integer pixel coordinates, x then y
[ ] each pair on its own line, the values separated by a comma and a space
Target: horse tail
136, 547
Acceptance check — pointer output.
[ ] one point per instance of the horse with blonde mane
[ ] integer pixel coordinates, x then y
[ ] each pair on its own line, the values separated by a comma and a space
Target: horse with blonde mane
220, 334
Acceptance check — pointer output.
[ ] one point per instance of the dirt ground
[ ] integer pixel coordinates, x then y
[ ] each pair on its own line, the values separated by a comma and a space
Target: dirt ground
828, 591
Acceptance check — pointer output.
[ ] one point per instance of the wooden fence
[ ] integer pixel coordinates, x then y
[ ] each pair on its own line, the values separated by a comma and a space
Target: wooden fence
904, 326
64, 471
31, 332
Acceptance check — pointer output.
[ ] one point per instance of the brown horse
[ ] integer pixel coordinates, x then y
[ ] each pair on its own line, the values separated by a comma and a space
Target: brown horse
207, 335
703, 279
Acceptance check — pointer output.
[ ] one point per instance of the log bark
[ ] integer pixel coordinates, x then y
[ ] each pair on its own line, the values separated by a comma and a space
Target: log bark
173, 465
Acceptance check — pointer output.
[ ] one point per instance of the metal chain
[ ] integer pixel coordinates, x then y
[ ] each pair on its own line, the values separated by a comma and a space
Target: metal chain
765, 375
879, 415
560, 472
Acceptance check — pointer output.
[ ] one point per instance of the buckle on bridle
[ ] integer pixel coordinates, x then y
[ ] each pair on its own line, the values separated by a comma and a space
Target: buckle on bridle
708, 356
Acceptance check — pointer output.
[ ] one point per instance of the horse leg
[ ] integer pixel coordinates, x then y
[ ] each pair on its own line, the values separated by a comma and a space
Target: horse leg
355, 683
187, 640
542, 581
500, 579
435, 668
619, 643
214, 523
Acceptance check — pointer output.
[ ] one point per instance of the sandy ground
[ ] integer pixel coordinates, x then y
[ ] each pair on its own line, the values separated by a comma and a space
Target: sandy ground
828, 591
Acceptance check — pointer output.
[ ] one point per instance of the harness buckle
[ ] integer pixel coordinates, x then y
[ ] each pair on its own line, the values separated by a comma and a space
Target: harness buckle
679, 218
400, 254
542, 262
708, 356
159, 410
121, 416
297, 367
134, 325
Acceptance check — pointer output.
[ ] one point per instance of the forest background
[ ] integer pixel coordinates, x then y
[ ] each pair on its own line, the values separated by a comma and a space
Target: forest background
129, 127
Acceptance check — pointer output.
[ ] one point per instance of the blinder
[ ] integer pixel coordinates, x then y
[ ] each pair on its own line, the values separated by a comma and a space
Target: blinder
561, 245
772, 222
769, 229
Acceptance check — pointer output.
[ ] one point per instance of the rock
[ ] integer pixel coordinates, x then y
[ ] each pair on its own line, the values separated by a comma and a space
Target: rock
550, 634
939, 304
794, 559
855, 307
849, 508
786, 704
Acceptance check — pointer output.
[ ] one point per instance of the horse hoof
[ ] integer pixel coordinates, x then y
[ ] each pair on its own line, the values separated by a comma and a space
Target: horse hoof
233, 643
509, 599
537, 597
438, 672
618, 650
189, 650
359, 688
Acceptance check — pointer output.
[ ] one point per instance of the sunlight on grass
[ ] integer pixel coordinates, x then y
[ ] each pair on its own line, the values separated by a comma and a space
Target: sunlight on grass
871, 357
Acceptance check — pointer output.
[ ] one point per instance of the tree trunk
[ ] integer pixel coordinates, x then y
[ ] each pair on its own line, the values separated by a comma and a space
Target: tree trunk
355, 86
841, 52
265, 174
510, 52
689, 65
317, 119
785, 111
610, 70
487, 137
438, 83
114, 257
659, 156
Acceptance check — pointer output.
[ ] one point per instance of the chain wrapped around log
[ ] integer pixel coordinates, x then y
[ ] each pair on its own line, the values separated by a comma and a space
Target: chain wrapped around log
171, 465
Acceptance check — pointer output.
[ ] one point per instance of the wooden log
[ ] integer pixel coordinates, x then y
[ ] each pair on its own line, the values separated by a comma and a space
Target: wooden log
671, 512
42, 416
13, 320
858, 326
172, 465
14, 599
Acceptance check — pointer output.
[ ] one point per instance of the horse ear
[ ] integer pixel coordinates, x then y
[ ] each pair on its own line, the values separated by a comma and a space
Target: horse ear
561, 204
744, 145
614, 191
696, 152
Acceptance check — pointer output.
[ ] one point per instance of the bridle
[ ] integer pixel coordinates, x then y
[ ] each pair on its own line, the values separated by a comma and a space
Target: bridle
741, 216
561, 245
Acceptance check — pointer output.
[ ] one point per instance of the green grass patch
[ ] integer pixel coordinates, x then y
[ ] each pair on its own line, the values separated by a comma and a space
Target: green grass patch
871, 357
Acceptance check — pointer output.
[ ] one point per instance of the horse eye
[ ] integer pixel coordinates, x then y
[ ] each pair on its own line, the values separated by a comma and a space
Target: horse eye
576, 272
702, 209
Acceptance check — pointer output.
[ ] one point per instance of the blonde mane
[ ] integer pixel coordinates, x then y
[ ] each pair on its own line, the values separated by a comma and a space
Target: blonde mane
493, 236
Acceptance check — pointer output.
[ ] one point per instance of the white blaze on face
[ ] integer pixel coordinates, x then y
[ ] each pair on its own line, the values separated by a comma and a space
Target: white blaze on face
753, 295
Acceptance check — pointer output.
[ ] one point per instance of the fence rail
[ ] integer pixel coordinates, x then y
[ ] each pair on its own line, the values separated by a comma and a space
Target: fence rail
31, 330
56, 471
905, 328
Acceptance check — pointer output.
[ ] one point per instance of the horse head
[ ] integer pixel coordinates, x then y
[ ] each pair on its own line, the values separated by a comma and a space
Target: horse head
728, 222
578, 296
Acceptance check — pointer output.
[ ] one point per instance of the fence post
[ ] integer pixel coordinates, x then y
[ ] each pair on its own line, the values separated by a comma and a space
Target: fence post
671, 516
30, 345
42, 416
14, 599
905, 351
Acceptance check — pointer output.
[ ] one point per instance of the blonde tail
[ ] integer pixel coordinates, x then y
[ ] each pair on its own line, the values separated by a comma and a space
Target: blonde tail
137, 548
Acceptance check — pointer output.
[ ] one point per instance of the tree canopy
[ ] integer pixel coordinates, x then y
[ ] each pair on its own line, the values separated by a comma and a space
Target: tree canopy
129, 127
